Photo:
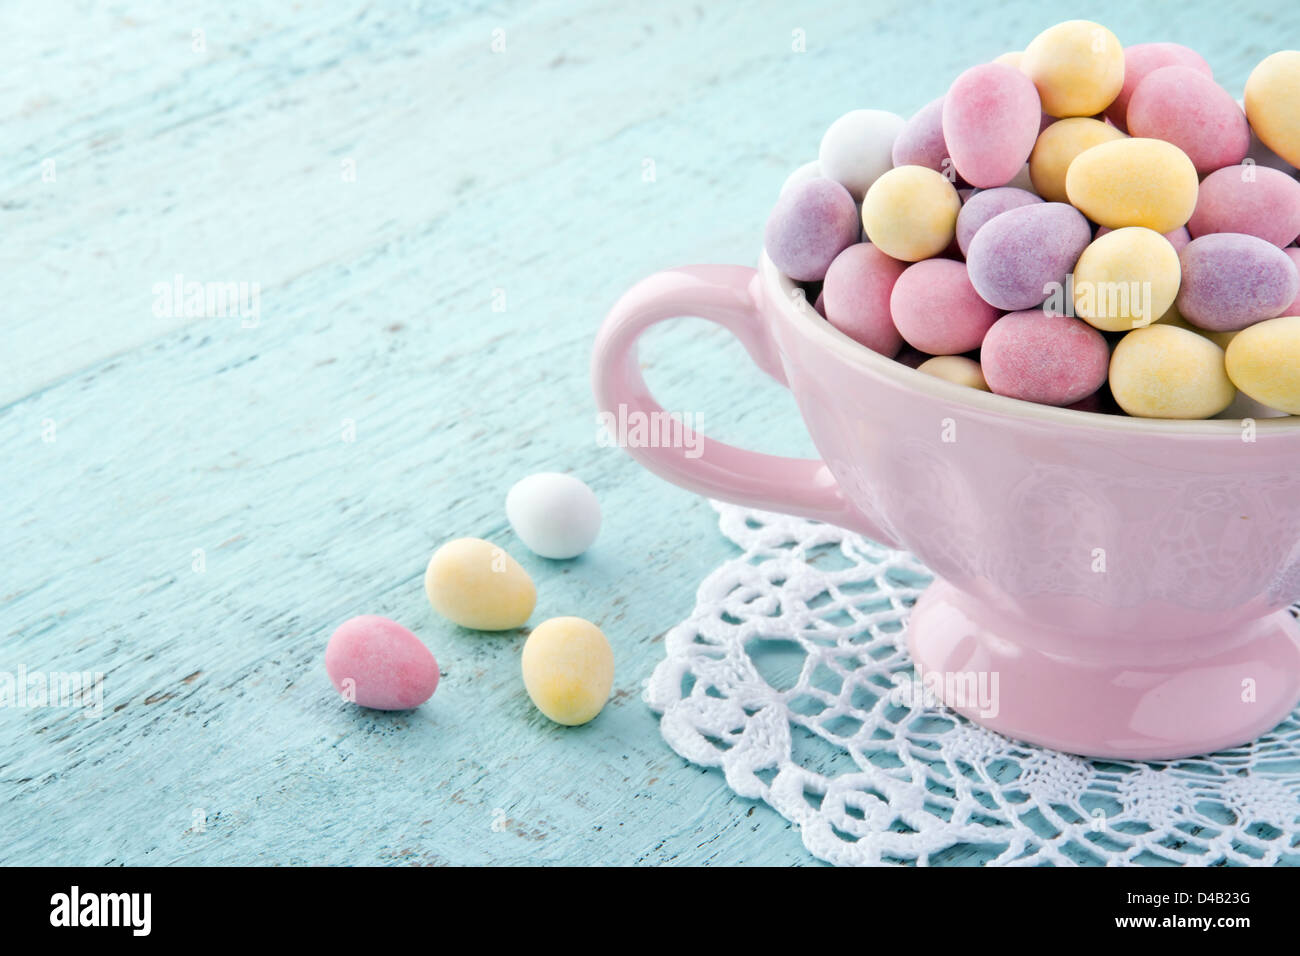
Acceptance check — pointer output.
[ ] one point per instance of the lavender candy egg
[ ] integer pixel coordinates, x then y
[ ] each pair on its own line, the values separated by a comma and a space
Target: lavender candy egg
811, 223
991, 118
983, 206
1249, 199
920, 142
1019, 258
1231, 281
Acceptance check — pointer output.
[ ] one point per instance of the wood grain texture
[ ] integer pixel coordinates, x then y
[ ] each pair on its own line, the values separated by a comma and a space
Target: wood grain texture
476, 171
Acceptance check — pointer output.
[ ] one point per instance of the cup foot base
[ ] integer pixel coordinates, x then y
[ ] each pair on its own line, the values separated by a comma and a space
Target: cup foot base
1157, 711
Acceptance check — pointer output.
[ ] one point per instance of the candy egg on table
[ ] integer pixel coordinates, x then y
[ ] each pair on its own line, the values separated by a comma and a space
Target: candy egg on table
1077, 66
911, 213
983, 206
477, 585
1253, 200
1144, 58
1273, 104
377, 663
1183, 106
920, 142
855, 297
1264, 362
1015, 257
1162, 371
811, 223
957, 369
1134, 182
858, 149
555, 515
1057, 146
568, 669
1042, 357
991, 116
1232, 280
937, 310
1126, 279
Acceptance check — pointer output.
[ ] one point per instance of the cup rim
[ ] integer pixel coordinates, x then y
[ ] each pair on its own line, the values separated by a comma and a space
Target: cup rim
810, 323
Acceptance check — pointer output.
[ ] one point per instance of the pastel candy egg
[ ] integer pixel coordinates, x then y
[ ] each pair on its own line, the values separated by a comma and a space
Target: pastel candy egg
803, 174
1231, 281
1077, 66
990, 121
1177, 238
1056, 148
475, 584
937, 310
1126, 279
377, 663
1294, 255
811, 223
920, 142
1163, 371
1144, 58
1134, 182
911, 213
1012, 59
1273, 104
1019, 258
1183, 106
1254, 200
1040, 357
568, 669
858, 148
957, 369
856, 297
1264, 362
555, 515
985, 205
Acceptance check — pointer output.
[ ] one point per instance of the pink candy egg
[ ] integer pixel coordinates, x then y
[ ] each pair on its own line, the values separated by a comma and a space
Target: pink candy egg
984, 205
1018, 258
1183, 106
1231, 281
377, 663
920, 142
811, 223
991, 118
937, 310
1143, 59
1050, 359
856, 294
1254, 200
1178, 238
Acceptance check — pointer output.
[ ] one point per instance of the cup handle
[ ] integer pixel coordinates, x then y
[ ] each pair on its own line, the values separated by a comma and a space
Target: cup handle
727, 295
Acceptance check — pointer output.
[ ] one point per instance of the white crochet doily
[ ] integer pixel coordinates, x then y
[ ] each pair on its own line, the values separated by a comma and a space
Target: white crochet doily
791, 676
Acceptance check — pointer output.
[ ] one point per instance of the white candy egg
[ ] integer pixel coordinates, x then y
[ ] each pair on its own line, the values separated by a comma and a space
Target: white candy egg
804, 173
555, 515
858, 149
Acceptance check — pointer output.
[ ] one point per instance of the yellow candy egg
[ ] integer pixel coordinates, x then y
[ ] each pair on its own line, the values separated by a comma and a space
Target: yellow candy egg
475, 584
1126, 279
955, 368
1173, 317
1078, 67
1263, 361
1056, 148
1012, 60
1273, 104
1163, 371
910, 213
568, 669
1134, 182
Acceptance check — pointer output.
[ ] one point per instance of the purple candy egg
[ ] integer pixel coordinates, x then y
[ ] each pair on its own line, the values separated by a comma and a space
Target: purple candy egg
811, 224
986, 204
1231, 281
1019, 258
1049, 359
920, 142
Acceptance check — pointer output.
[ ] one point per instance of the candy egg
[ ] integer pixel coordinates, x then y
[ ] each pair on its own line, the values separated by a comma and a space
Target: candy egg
1134, 182
803, 174
556, 515
858, 148
1293, 254
957, 369
937, 310
811, 223
1039, 357
1273, 104
856, 297
1126, 279
1077, 66
475, 584
1177, 238
990, 121
1163, 371
920, 142
1144, 58
1254, 200
1017, 259
1231, 281
568, 669
1056, 148
1183, 106
983, 206
377, 663
1013, 58
911, 213
1264, 362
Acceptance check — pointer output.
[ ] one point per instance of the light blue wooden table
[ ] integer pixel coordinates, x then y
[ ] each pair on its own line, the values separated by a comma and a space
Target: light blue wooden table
437, 202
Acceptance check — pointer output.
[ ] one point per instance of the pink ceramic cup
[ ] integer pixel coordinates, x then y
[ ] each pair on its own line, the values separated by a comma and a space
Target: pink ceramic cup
1122, 583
